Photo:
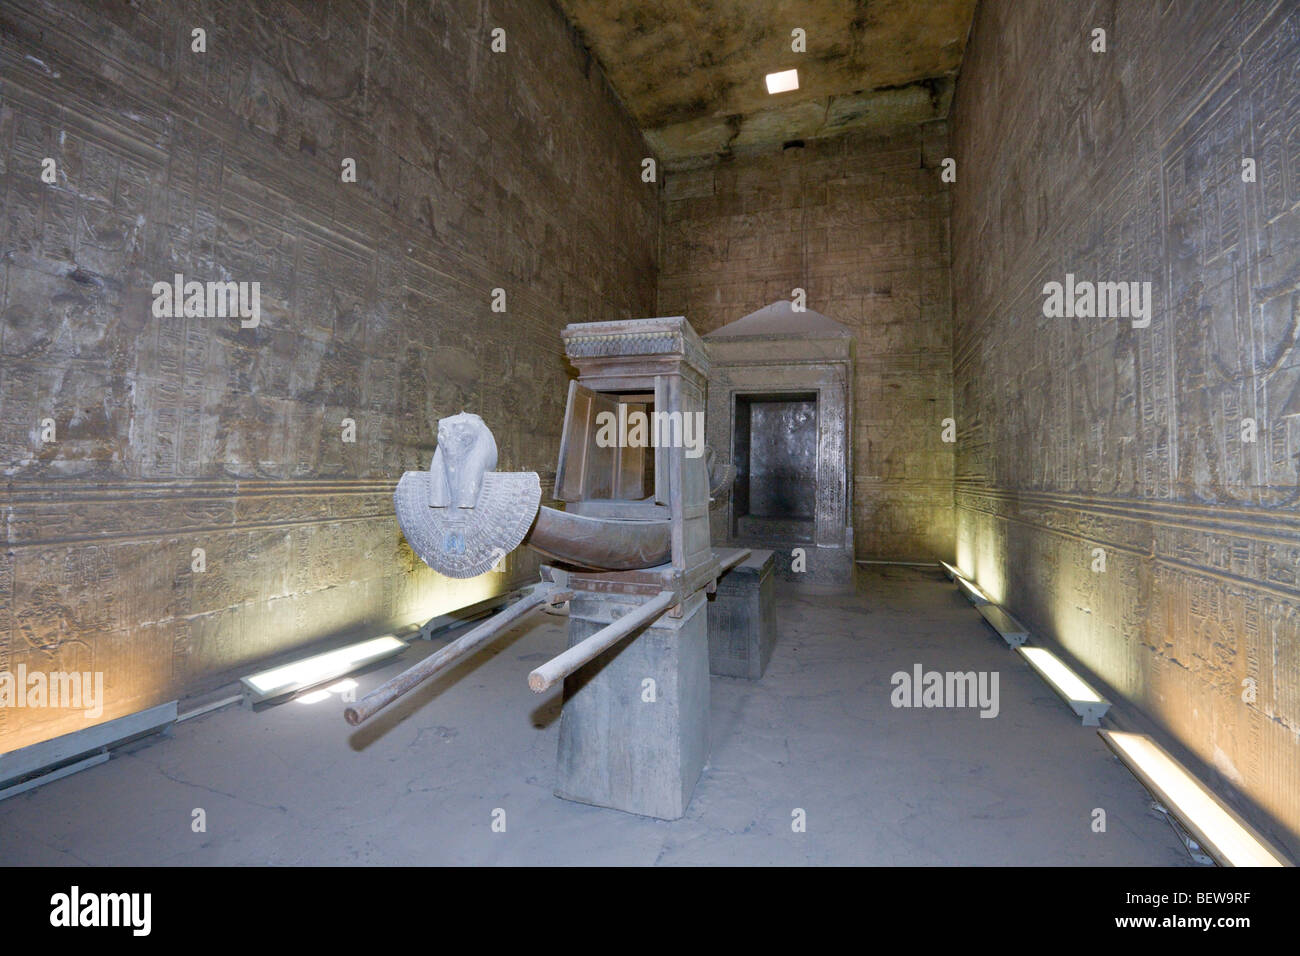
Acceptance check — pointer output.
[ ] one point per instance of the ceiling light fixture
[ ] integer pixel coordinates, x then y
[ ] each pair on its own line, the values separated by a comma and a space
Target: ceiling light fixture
783, 82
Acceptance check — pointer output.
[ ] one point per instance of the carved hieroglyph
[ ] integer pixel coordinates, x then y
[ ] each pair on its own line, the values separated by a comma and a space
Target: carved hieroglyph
1134, 492
461, 517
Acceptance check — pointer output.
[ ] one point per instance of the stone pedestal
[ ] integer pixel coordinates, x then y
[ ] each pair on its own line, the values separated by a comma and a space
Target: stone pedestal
622, 744
742, 619
820, 569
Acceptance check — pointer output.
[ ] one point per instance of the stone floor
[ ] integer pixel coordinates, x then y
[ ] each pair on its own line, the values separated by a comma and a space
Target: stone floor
293, 784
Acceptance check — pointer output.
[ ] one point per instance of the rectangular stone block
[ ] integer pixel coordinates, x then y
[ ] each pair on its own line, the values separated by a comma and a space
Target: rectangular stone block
742, 619
626, 743
817, 568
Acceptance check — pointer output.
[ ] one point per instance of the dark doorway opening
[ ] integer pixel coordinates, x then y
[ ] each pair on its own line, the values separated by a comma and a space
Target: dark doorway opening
775, 454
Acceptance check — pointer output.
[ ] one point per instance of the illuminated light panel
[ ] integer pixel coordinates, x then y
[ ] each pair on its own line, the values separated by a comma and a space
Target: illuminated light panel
972, 591
783, 82
320, 668
1083, 700
968, 587
1218, 830
1012, 631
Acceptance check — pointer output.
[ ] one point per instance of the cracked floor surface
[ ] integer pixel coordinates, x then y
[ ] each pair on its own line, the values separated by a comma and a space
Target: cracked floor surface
419, 784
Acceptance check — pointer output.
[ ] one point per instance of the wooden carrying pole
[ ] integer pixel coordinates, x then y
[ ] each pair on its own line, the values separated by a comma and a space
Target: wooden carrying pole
407, 681
558, 668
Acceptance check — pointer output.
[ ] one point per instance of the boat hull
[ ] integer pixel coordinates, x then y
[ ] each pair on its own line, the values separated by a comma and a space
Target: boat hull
601, 544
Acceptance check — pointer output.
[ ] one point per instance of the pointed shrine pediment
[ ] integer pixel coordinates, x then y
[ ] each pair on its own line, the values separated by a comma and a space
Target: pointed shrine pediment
780, 320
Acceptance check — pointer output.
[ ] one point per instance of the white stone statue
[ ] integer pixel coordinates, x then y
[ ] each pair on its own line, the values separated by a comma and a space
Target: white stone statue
461, 517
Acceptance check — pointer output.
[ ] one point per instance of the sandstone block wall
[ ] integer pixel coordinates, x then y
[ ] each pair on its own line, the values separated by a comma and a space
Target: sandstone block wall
1078, 434
476, 170
860, 222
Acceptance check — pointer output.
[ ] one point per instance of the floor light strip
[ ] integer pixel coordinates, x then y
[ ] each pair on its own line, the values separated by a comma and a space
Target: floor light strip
38, 763
290, 678
472, 612
1083, 700
209, 707
972, 592
1012, 631
968, 587
1219, 831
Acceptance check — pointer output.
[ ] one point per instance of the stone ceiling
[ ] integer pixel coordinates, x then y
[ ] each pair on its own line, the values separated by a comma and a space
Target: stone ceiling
692, 71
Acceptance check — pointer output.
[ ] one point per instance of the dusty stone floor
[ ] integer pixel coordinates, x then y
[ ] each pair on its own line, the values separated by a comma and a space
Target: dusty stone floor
293, 784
